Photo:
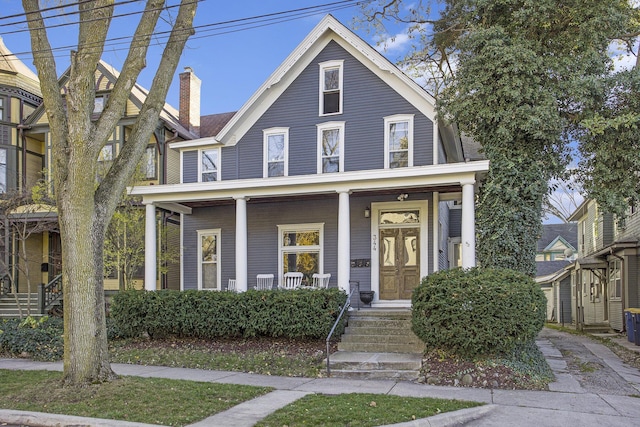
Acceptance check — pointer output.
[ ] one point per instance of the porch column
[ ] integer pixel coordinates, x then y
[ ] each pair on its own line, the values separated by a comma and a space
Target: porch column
150, 267
468, 232
241, 244
344, 241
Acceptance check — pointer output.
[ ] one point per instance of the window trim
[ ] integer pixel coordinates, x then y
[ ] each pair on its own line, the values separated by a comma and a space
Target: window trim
613, 265
339, 64
330, 126
398, 118
210, 232
3, 109
317, 226
155, 162
5, 172
219, 165
266, 133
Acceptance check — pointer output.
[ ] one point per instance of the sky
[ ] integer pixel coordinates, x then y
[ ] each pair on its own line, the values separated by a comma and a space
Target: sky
231, 61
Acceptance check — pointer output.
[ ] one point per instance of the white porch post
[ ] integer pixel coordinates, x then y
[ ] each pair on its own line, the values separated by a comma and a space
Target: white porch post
150, 266
344, 241
241, 244
468, 232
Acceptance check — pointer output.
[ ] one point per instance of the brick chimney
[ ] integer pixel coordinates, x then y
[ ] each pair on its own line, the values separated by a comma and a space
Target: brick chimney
190, 101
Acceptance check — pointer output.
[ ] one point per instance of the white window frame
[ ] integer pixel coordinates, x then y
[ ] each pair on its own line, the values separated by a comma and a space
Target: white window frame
319, 226
145, 160
219, 166
3, 171
325, 127
265, 149
614, 274
211, 232
398, 118
339, 64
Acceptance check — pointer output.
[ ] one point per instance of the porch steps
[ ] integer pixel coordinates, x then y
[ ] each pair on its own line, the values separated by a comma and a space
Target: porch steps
9, 308
378, 344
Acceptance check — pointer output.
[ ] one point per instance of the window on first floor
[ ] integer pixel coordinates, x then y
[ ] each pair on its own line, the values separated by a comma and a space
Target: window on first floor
330, 147
276, 152
301, 249
615, 279
209, 165
398, 141
209, 259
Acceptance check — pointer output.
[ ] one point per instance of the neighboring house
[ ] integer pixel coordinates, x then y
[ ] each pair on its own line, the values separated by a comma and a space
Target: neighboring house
556, 249
21, 161
605, 277
156, 168
337, 164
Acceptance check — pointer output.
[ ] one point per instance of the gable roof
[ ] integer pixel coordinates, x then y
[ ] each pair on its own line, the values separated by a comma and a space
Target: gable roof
24, 77
552, 233
329, 29
212, 124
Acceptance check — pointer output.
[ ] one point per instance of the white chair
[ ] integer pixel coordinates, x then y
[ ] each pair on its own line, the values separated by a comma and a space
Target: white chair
264, 282
292, 280
320, 281
231, 287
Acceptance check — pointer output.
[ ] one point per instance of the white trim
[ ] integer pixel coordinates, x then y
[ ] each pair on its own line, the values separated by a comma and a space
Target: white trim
319, 226
330, 126
417, 176
182, 252
398, 118
210, 232
181, 167
437, 231
436, 142
266, 133
423, 207
195, 143
218, 165
339, 64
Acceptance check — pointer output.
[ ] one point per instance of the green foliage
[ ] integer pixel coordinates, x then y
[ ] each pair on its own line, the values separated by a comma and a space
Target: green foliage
526, 359
478, 311
294, 314
40, 339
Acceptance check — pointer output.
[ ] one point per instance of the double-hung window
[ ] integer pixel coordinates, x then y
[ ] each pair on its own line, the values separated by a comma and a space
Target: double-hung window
276, 152
615, 279
2, 115
301, 249
3, 170
331, 87
331, 147
398, 141
208, 259
149, 163
209, 165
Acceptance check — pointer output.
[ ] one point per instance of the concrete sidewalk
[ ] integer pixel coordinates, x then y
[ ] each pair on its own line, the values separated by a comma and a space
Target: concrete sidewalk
566, 404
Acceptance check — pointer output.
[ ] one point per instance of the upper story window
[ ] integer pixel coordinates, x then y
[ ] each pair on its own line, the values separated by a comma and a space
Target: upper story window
149, 163
3, 170
105, 158
276, 152
330, 147
331, 88
2, 115
398, 141
209, 165
98, 104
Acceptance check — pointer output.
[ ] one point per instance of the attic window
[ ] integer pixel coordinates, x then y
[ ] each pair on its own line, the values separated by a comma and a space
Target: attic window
98, 104
331, 88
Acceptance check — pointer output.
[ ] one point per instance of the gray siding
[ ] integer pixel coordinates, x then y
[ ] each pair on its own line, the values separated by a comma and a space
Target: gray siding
564, 305
363, 113
229, 163
608, 229
444, 220
190, 166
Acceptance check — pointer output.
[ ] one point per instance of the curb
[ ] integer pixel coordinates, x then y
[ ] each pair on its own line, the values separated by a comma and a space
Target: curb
43, 419
449, 419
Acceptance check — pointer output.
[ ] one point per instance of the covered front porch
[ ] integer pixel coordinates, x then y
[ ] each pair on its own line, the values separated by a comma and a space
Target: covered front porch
384, 229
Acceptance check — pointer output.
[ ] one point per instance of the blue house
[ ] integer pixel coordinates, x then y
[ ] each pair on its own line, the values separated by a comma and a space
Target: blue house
337, 164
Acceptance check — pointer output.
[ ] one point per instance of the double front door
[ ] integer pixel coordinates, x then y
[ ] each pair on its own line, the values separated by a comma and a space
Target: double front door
399, 262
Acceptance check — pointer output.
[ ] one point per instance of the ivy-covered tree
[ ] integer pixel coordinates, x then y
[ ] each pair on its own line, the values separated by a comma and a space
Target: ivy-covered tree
523, 76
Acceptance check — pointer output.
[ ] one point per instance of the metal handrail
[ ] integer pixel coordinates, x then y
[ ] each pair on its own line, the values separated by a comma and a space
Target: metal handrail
344, 307
50, 293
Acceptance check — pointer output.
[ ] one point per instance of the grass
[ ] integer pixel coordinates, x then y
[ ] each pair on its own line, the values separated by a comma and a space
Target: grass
144, 400
359, 410
178, 402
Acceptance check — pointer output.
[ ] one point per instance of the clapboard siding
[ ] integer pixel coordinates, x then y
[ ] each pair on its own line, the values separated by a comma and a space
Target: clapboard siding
363, 114
444, 223
564, 305
190, 166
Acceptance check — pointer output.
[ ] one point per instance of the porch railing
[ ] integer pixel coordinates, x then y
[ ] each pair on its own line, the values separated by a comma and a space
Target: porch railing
333, 329
50, 293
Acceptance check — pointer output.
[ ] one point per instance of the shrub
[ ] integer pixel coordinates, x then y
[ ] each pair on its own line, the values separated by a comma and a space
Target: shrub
478, 311
302, 313
40, 339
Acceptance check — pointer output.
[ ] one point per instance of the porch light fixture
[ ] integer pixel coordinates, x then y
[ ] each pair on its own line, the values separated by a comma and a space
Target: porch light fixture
367, 212
402, 197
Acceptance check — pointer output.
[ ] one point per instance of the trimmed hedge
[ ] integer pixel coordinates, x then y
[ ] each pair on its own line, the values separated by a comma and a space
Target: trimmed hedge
303, 313
39, 339
478, 311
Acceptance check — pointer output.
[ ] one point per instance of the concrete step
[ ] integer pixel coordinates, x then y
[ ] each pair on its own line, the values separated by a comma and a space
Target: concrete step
365, 330
375, 322
361, 374
401, 313
381, 339
381, 347
345, 364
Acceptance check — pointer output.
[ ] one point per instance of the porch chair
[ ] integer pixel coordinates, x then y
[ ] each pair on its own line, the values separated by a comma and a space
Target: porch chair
231, 287
320, 281
292, 280
264, 282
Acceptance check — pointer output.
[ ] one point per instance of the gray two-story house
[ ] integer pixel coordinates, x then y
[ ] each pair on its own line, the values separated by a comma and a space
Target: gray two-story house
337, 164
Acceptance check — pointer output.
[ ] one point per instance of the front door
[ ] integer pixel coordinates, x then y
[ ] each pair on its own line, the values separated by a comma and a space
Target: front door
399, 262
